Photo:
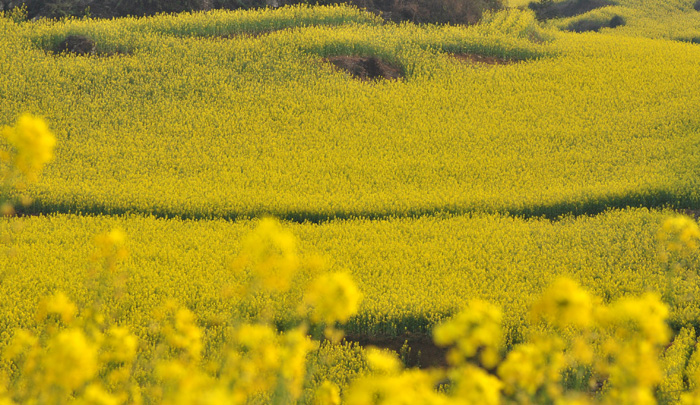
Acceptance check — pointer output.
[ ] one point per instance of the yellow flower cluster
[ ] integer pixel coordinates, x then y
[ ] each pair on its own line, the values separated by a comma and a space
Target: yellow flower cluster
110, 248
678, 235
327, 394
333, 298
399, 387
71, 359
534, 369
87, 357
475, 386
626, 339
58, 304
32, 146
475, 330
565, 304
270, 254
262, 358
181, 332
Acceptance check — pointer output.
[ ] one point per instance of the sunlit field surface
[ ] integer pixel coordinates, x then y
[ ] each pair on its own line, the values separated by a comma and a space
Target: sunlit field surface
513, 199
210, 127
413, 272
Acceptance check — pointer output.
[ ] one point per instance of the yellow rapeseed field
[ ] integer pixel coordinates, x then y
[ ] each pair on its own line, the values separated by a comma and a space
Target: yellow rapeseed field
210, 127
514, 196
663, 19
412, 272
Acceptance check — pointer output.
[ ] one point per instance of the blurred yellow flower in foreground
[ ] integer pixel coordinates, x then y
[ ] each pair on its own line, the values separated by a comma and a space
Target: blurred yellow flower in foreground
382, 361
33, 143
565, 304
327, 394
474, 331
333, 298
679, 234
71, 360
58, 304
270, 254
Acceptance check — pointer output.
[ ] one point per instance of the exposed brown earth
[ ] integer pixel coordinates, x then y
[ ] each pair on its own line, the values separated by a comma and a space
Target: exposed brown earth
77, 44
81, 46
691, 213
366, 68
415, 349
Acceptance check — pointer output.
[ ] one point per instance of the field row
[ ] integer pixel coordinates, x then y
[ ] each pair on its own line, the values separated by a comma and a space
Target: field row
203, 128
412, 272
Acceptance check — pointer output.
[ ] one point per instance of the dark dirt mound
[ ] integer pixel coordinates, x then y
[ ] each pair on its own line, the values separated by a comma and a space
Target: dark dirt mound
547, 9
76, 44
82, 46
366, 68
696, 6
595, 25
417, 350
473, 58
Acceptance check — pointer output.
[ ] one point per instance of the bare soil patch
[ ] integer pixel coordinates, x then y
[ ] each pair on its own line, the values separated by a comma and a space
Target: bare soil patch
81, 46
366, 68
415, 349
691, 213
77, 44
476, 59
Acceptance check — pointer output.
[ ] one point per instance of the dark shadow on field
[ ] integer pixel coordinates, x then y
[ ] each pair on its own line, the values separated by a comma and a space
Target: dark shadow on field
548, 9
588, 25
649, 199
